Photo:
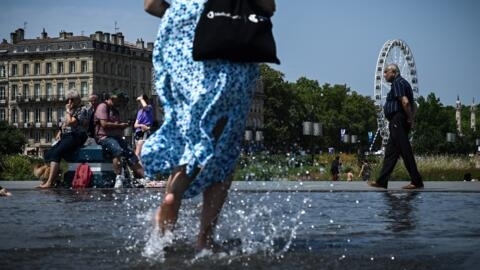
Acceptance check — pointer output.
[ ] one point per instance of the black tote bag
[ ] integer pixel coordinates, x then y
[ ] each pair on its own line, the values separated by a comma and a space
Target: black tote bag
235, 30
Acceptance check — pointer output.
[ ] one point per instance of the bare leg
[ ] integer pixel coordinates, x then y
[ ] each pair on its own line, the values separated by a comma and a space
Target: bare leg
117, 165
137, 169
52, 176
138, 147
213, 200
167, 213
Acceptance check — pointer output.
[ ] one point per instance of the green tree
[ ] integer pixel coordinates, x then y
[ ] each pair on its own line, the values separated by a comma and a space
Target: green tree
279, 110
11, 139
433, 122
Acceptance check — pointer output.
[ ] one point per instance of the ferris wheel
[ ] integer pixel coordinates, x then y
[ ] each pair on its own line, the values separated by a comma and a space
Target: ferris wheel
394, 51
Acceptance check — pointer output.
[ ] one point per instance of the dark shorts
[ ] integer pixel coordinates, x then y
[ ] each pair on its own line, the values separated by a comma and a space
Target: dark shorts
141, 135
118, 147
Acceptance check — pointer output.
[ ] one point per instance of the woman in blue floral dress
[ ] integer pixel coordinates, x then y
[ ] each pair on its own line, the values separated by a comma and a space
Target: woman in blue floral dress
206, 104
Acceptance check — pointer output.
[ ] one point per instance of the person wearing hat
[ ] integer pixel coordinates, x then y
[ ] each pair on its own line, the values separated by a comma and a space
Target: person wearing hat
109, 134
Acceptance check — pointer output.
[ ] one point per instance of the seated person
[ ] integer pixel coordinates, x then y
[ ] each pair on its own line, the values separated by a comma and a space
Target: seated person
109, 134
71, 136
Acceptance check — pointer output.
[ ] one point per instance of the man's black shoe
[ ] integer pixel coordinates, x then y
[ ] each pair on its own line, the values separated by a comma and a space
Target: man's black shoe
376, 185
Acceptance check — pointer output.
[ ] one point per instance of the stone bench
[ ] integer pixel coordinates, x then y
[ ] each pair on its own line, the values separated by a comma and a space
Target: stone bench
100, 164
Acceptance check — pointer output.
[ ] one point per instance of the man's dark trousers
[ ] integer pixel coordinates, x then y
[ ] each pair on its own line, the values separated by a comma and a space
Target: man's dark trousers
399, 145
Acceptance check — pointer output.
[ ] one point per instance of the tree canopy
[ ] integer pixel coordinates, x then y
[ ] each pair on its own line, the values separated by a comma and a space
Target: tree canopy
11, 139
288, 104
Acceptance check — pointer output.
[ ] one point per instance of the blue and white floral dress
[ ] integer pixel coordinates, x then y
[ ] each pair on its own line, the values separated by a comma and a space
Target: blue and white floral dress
195, 96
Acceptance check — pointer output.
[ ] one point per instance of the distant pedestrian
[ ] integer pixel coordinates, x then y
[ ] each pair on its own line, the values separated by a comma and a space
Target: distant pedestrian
365, 171
335, 168
143, 123
349, 175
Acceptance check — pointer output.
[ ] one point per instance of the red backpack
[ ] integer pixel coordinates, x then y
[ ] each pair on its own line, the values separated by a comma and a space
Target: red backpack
83, 176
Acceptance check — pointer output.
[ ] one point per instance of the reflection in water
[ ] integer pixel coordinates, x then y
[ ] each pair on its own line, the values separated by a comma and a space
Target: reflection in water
400, 215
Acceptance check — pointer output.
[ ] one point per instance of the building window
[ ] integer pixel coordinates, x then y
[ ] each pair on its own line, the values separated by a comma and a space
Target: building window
26, 90
84, 67
48, 68
14, 116
36, 70
60, 68
36, 91
49, 115
14, 70
26, 115
49, 90
84, 89
71, 85
37, 115
37, 136
71, 67
3, 95
48, 136
26, 69
14, 92
119, 70
60, 90
2, 115
2, 71
60, 113
105, 67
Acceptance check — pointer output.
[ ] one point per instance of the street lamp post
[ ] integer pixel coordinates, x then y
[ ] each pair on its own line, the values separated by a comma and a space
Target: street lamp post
312, 129
249, 137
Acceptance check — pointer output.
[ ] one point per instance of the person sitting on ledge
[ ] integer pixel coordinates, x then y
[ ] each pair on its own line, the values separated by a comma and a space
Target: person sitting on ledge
71, 136
108, 134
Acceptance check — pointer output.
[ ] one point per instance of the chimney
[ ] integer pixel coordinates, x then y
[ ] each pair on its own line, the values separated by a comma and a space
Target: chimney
98, 35
121, 40
150, 46
17, 36
44, 34
13, 38
63, 34
140, 44
106, 37
114, 39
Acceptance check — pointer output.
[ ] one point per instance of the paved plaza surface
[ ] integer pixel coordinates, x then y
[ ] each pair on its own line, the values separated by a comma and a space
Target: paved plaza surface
313, 186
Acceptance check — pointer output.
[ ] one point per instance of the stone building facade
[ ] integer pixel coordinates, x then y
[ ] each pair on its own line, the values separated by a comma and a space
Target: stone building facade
35, 74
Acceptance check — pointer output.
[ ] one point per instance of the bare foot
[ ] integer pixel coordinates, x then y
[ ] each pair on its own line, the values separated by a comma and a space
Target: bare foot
44, 186
166, 215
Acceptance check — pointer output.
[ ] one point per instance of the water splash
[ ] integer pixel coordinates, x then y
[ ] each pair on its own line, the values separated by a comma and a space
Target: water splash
249, 225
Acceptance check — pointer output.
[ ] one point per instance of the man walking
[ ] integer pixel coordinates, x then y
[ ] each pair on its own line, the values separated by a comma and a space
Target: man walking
399, 110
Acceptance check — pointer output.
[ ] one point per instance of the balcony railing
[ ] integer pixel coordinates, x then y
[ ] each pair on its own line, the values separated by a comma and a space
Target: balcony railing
41, 98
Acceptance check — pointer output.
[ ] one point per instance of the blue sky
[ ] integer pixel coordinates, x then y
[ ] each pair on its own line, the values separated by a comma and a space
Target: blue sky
335, 42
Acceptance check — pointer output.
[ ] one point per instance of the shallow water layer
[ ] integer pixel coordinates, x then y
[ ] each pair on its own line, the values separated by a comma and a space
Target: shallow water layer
107, 229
